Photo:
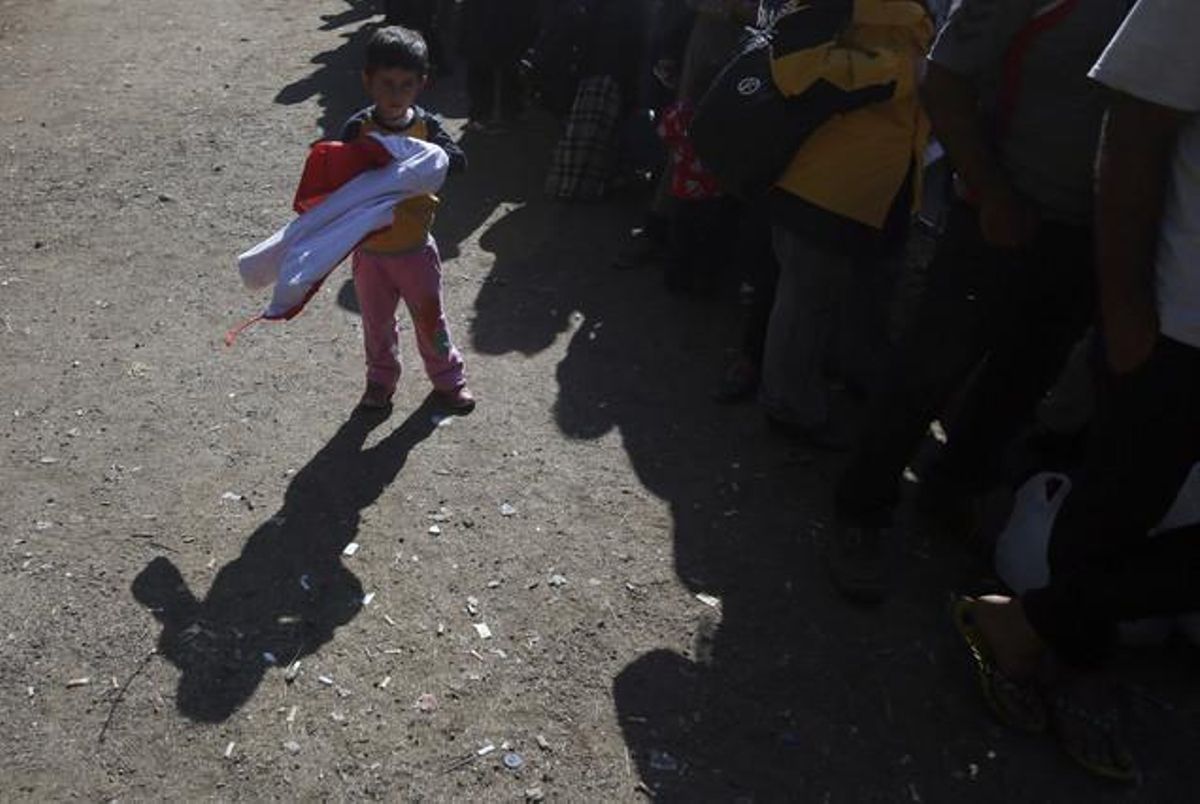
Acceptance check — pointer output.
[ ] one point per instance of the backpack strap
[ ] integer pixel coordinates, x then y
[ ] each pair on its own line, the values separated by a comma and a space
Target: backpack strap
1046, 15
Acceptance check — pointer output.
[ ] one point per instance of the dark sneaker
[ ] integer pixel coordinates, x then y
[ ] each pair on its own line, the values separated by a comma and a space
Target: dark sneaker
855, 559
376, 397
459, 401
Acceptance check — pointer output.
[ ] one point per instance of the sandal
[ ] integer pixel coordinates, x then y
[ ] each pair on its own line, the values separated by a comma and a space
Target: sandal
1016, 704
1093, 739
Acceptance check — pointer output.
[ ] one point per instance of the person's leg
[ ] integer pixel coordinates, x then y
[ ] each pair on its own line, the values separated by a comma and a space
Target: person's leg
377, 300
942, 344
861, 339
512, 93
1044, 308
811, 282
481, 79
1104, 568
421, 288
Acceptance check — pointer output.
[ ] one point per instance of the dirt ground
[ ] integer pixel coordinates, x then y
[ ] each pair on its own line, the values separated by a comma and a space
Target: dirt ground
174, 513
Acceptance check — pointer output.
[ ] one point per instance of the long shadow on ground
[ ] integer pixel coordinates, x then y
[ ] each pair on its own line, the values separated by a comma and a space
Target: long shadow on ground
785, 693
288, 591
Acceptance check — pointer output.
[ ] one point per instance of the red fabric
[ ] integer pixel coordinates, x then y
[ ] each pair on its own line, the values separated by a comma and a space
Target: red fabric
1010, 85
690, 180
331, 163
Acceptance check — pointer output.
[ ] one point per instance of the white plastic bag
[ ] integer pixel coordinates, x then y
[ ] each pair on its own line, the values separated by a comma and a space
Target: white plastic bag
1021, 549
1021, 560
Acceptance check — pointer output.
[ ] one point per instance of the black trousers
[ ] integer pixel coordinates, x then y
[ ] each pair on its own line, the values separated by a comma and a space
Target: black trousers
1008, 316
1103, 567
420, 16
487, 83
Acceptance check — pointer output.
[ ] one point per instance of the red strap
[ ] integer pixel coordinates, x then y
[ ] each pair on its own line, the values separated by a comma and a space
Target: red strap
232, 335
1014, 59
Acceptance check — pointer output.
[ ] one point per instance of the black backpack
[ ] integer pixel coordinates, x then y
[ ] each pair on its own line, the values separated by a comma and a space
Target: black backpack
747, 132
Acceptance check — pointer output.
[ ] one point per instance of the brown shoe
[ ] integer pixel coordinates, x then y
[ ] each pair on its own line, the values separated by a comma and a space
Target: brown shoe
376, 397
459, 401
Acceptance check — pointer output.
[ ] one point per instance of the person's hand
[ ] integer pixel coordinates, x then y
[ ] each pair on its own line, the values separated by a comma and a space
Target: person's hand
1130, 337
1006, 219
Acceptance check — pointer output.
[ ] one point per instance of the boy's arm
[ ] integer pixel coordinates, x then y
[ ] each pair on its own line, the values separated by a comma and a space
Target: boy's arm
441, 138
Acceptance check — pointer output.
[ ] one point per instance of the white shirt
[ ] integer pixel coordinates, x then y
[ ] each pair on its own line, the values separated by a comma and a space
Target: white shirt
1155, 56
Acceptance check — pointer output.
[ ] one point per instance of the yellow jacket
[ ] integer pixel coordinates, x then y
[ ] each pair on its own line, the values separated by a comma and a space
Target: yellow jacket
863, 55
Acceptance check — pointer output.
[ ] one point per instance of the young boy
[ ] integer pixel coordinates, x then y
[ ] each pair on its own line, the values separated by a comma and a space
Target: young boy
402, 262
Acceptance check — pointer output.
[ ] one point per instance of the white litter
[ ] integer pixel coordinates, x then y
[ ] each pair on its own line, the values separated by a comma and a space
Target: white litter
507, 510
326, 680
709, 600
350, 549
435, 530
229, 749
367, 598
483, 630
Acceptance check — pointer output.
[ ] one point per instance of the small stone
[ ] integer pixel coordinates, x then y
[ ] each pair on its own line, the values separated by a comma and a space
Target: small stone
350, 549
229, 749
326, 680
558, 581
544, 744
435, 530
535, 794
427, 703
472, 607
709, 600
493, 585
507, 510
79, 682
164, 198
292, 747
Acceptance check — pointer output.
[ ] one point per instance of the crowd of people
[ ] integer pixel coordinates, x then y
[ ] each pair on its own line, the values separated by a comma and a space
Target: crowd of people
1067, 258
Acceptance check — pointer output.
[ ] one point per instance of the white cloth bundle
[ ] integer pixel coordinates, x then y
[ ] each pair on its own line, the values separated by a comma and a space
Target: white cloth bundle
298, 257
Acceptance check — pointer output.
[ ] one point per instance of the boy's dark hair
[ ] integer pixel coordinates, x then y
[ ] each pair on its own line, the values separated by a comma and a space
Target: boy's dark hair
394, 46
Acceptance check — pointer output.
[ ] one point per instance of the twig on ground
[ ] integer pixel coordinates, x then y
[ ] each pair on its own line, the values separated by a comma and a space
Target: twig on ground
120, 696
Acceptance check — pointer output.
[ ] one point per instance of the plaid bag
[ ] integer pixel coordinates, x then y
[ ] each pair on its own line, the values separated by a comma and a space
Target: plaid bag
583, 159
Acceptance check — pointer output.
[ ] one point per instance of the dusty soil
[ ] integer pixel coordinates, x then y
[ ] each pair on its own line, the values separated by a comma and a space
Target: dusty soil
174, 513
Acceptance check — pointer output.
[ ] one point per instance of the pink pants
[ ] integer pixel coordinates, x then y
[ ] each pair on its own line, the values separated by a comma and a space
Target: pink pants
381, 281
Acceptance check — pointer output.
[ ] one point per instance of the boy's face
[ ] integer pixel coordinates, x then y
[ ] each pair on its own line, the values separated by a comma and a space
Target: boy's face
393, 90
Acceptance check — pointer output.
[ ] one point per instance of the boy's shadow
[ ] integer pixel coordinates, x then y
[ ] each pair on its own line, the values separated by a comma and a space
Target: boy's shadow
288, 590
